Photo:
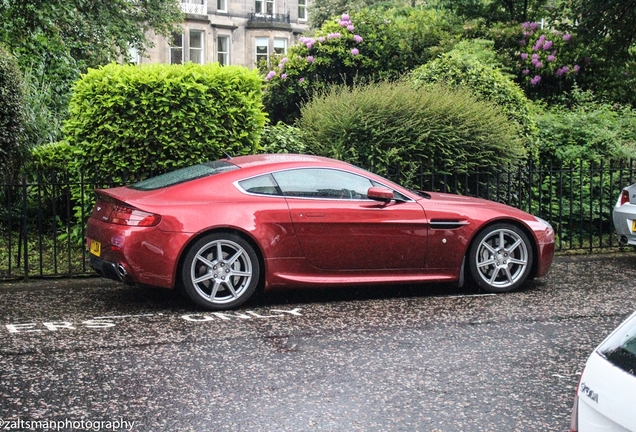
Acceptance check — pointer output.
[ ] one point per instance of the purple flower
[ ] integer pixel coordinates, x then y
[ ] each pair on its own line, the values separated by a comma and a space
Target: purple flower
547, 45
522, 42
333, 35
525, 71
345, 17
284, 76
524, 56
283, 60
310, 59
535, 56
538, 65
355, 51
309, 45
350, 27
302, 80
534, 61
551, 58
559, 72
576, 68
566, 69
344, 23
567, 37
535, 80
270, 75
357, 38
321, 39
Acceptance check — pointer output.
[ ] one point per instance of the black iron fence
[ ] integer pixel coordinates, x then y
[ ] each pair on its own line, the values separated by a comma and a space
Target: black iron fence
42, 214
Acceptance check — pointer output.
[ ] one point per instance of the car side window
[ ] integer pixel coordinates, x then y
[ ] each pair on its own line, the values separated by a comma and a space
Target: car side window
322, 183
261, 185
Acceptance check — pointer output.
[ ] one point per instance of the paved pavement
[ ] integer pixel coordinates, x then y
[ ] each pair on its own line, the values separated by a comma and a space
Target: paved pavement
424, 358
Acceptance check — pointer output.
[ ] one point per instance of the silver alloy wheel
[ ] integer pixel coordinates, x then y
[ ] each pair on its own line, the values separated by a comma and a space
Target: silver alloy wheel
221, 271
502, 258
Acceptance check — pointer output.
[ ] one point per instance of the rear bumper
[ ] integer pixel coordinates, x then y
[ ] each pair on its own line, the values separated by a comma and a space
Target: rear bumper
110, 270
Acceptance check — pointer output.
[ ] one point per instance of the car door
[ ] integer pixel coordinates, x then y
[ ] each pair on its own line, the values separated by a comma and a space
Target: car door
339, 228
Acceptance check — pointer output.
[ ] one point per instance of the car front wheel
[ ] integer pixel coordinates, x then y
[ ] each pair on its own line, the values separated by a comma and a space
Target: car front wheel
500, 258
220, 271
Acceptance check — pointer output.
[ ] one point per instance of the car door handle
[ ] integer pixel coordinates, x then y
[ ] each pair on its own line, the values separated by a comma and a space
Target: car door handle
314, 214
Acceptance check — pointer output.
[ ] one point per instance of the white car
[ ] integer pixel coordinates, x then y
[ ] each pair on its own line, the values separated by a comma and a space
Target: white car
606, 396
624, 216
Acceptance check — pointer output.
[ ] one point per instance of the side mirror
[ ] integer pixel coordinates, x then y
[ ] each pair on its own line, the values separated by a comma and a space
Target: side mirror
380, 194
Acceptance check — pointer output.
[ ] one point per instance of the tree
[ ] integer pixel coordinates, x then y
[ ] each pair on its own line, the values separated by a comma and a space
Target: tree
497, 10
59, 39
11, 113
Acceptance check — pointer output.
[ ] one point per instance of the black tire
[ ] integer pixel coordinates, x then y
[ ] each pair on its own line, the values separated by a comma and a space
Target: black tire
220, 271
498, 267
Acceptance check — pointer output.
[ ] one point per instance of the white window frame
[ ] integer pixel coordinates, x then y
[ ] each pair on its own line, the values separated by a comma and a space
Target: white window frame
302, 10
256, 46
221, 5
173, 48
225, 55
270, 8
200, 50
278, 46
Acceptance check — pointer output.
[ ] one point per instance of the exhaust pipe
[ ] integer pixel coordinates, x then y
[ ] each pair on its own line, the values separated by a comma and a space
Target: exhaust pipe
121, 272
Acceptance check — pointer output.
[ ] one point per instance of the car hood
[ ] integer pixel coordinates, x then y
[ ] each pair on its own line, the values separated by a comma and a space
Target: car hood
466, 203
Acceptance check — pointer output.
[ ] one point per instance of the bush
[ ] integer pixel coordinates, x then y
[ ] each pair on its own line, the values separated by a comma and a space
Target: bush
388, 126
11, 113
51, 157
583, 128
281, 138
476, 70
364, 47
152, 118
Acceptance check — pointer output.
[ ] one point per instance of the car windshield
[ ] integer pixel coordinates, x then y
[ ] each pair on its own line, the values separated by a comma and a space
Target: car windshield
183, 175
620, 348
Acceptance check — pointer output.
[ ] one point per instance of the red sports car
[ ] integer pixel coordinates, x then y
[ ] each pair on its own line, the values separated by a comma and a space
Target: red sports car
223, 229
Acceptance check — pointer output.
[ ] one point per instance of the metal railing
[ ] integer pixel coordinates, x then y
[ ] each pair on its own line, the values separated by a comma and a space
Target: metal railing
42, 218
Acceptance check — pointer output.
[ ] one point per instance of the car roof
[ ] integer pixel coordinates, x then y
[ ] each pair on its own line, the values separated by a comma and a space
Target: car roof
253, 161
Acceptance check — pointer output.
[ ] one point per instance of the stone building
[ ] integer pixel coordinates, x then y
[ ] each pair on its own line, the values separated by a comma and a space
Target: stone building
232, 32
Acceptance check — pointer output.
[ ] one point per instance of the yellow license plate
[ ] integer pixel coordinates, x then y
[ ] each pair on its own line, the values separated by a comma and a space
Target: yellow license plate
95, 248
633, 225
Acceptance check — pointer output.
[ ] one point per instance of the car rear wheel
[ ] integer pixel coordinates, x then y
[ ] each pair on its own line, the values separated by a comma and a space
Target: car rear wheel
500, 258
220, 271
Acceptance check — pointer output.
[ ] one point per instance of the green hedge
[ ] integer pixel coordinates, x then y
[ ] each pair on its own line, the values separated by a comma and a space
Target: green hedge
387, 126
160, 117
11, 112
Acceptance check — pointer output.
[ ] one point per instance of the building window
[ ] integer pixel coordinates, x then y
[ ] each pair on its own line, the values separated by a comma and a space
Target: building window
223, 50
196, 47
280, 46
262, 49
264, 7
302, 10
134, 56
221, 5
176, 49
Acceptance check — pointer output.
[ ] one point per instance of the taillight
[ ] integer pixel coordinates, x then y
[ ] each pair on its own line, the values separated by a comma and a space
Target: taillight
122, 215
624, 197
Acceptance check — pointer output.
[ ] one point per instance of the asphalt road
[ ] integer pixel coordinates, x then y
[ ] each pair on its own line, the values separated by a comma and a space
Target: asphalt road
89, 354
